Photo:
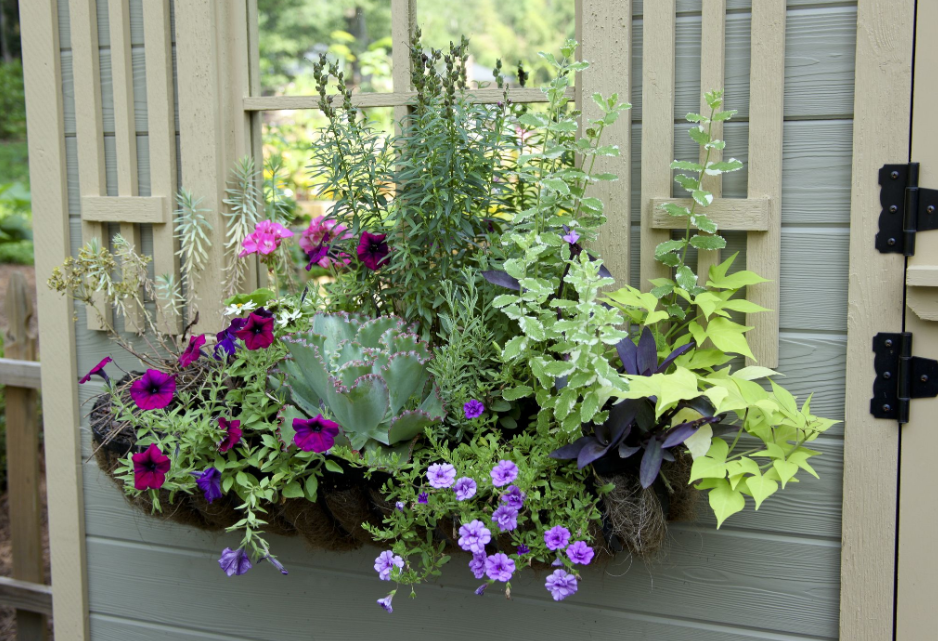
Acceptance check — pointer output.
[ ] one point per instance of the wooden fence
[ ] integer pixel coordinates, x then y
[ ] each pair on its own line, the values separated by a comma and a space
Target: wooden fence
19, 374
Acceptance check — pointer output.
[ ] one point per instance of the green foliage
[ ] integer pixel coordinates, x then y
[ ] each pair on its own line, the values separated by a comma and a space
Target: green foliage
12, 102
193, 232
16, 235
371, 377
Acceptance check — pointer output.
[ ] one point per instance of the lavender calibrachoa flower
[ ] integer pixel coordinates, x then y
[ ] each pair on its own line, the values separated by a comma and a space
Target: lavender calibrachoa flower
235, 562
473, 537
477, 565
579, 552
154, 390
557, 537
504, 473
499, 567
98, 370
150, 468
473, 409
386, 562
561, 584
465, 488
506, 518
386, 602
209, 481
441, 475
513, 497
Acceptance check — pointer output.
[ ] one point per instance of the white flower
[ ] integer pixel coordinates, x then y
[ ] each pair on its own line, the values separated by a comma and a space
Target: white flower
236, 309
288, 317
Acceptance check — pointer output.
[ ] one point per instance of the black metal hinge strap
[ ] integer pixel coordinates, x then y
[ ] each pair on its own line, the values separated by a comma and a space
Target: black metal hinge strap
907, 209
900, 377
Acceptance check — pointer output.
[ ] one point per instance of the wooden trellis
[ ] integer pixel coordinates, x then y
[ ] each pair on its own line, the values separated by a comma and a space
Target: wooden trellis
760, 213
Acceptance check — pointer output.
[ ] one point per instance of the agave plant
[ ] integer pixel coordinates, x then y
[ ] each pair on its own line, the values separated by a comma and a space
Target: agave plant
632, 425
369, 376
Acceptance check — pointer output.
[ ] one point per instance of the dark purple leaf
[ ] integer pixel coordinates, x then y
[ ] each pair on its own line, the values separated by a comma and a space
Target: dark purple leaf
702, 405
646, 415
680, 434
651, 463
626, 451
628, 352
667, 455
571, 450
670, 359
501, 279
590, 452
603, 272
646, 359
621, 416
560, 382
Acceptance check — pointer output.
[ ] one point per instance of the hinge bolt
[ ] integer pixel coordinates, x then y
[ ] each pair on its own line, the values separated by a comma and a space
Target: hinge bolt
924, 378
894, 175
893, 209
888, 342
930, 209
891, 242
887, 407
887, 374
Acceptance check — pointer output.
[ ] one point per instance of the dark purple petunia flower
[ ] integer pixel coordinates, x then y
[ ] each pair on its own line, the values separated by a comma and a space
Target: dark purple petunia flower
98, 370
258, 332
523, 549
423, 498
317, 253
150, 468
232, 434
277, 564
154, 390
316, 434
192, 351
235, 562
473, 409
225, 339
209, 481
373, 250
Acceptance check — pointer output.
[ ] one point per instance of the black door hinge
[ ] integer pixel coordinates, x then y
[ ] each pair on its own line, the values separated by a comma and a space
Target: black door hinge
900, 377
907, 208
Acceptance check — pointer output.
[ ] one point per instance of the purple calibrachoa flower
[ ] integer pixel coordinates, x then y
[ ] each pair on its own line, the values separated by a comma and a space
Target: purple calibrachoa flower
523, 549
98, 370
193, 351
557, 537
209, 481
504, 473
473, 409
386, 562
477, 565
571, 236
277, 564
154, 390
579, 552
232, 434
480, 591
225, 339
441, 475
465, 488
316, 434
399, 506
473, 536
506, 518
234, 562
258, 332
499, 567
373, 250
561, 584
513, 497
386, 602
557, 563
150, 468
424, 498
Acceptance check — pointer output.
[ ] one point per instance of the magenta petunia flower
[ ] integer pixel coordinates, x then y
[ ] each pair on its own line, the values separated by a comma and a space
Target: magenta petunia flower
506, 518
386, 602
373, 250
441, 475
264, 239
523, 549
234, 562
97, 370
193, 350
477, 565
504, 473
465, 488
316, 434
154, 390
579, 552
150, 468
473, 537
557, 537
232, 434
317, 240
473, 409
257, 333
513, 497
209, 481
385, 564
499, 567
424, 498
272, 228
561, 584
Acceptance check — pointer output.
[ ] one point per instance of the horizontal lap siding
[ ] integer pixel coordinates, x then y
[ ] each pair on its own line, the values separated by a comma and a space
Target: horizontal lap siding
767, 575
